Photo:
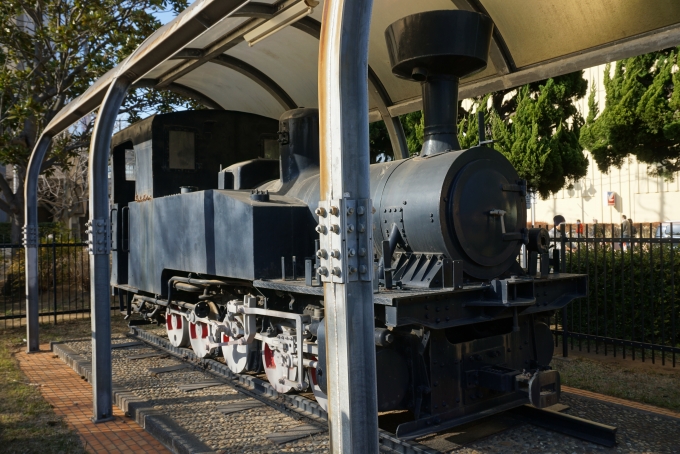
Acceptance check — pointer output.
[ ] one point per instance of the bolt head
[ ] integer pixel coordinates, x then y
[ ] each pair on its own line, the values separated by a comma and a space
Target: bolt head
321, 253
321, 211
335, 228
335, 253
322, 270
363, 269
352, 269
321, 229
350, 228
334, 211
351, 252
361, 211
335, 271
350, 211
362, 252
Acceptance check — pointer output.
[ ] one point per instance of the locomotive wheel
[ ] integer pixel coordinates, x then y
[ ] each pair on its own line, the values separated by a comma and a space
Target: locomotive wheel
198, 334
319, 395
178, 330
236, 356
276, 370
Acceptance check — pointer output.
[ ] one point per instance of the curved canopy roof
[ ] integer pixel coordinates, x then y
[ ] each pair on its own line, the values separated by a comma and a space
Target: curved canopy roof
202, 53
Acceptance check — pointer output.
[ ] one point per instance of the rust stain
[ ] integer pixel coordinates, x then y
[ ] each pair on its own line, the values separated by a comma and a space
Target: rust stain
324, 154
142, 197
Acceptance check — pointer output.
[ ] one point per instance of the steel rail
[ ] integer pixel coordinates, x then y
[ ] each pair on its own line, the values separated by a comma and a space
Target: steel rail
263, 391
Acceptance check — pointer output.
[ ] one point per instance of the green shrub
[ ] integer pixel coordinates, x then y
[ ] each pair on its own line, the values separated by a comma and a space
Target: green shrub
632, 295
70, 262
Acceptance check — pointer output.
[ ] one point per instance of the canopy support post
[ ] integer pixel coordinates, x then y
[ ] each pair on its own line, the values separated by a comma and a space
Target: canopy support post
99, 245
30, 231
397, 137
346, 220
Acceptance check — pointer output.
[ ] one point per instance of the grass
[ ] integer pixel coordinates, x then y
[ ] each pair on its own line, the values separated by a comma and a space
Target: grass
632, 380
28, 423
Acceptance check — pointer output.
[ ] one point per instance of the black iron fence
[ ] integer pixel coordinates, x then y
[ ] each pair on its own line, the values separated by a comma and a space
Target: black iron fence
631, 309
63, 280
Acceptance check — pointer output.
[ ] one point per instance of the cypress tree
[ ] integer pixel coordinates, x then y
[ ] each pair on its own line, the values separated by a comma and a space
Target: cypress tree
641, 116
536, 127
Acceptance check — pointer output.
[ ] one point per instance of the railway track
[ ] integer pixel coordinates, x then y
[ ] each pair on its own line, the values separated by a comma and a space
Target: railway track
292, 404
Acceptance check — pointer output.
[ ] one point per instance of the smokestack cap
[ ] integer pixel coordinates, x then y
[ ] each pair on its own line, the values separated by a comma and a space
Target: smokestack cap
448, 42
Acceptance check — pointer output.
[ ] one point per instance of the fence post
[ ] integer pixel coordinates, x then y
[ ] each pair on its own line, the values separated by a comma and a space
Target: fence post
565, 333
54, 277
563, 251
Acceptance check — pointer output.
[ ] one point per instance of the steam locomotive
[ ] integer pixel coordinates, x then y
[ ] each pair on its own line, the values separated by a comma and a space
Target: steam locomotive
216, 230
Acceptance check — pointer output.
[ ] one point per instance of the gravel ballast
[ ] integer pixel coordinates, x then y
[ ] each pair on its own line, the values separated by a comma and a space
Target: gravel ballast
198, 413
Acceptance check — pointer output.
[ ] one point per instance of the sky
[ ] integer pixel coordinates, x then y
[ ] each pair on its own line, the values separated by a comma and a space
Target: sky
167, 16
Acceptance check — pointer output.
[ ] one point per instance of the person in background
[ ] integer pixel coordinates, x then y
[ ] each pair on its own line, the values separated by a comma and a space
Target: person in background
625, 232
579, 228
598, 229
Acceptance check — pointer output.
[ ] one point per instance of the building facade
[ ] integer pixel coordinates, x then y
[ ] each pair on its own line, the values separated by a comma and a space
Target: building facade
604, 197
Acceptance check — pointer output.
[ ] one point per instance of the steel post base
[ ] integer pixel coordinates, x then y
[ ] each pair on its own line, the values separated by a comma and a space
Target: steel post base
97, 421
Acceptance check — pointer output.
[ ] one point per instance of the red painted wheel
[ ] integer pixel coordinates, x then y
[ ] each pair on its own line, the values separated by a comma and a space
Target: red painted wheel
277, 367
178, 329
319, 395
236, 356
198, 335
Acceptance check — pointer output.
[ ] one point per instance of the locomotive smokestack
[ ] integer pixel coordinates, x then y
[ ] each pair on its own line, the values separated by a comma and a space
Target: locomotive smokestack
440, 112
436, 48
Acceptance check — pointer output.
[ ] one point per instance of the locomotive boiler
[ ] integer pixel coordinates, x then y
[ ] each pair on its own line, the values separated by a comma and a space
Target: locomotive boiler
232, 262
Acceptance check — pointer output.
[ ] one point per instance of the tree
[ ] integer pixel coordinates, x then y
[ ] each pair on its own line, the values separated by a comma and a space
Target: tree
641, 116
379, 139
537, 127
50, 52
414, 131
379, 144
64, 191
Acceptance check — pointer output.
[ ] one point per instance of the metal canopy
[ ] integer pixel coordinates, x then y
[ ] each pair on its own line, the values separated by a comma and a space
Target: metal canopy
202, 52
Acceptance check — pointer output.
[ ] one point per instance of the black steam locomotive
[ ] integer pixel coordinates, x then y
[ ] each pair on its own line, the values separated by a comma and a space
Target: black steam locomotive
216, 233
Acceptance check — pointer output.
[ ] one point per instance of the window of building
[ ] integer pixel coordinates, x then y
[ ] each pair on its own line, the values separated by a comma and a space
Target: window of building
182, 150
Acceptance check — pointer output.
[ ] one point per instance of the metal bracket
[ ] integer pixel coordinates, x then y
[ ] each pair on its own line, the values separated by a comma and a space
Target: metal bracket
345, 240
30, 233
98, 236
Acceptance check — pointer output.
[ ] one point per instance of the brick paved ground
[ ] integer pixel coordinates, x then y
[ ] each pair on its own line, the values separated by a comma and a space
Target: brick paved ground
71, 398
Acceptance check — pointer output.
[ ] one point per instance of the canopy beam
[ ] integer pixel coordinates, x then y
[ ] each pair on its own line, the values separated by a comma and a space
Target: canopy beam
221, 45
254, 74
181, 90
498, 52
393, 124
